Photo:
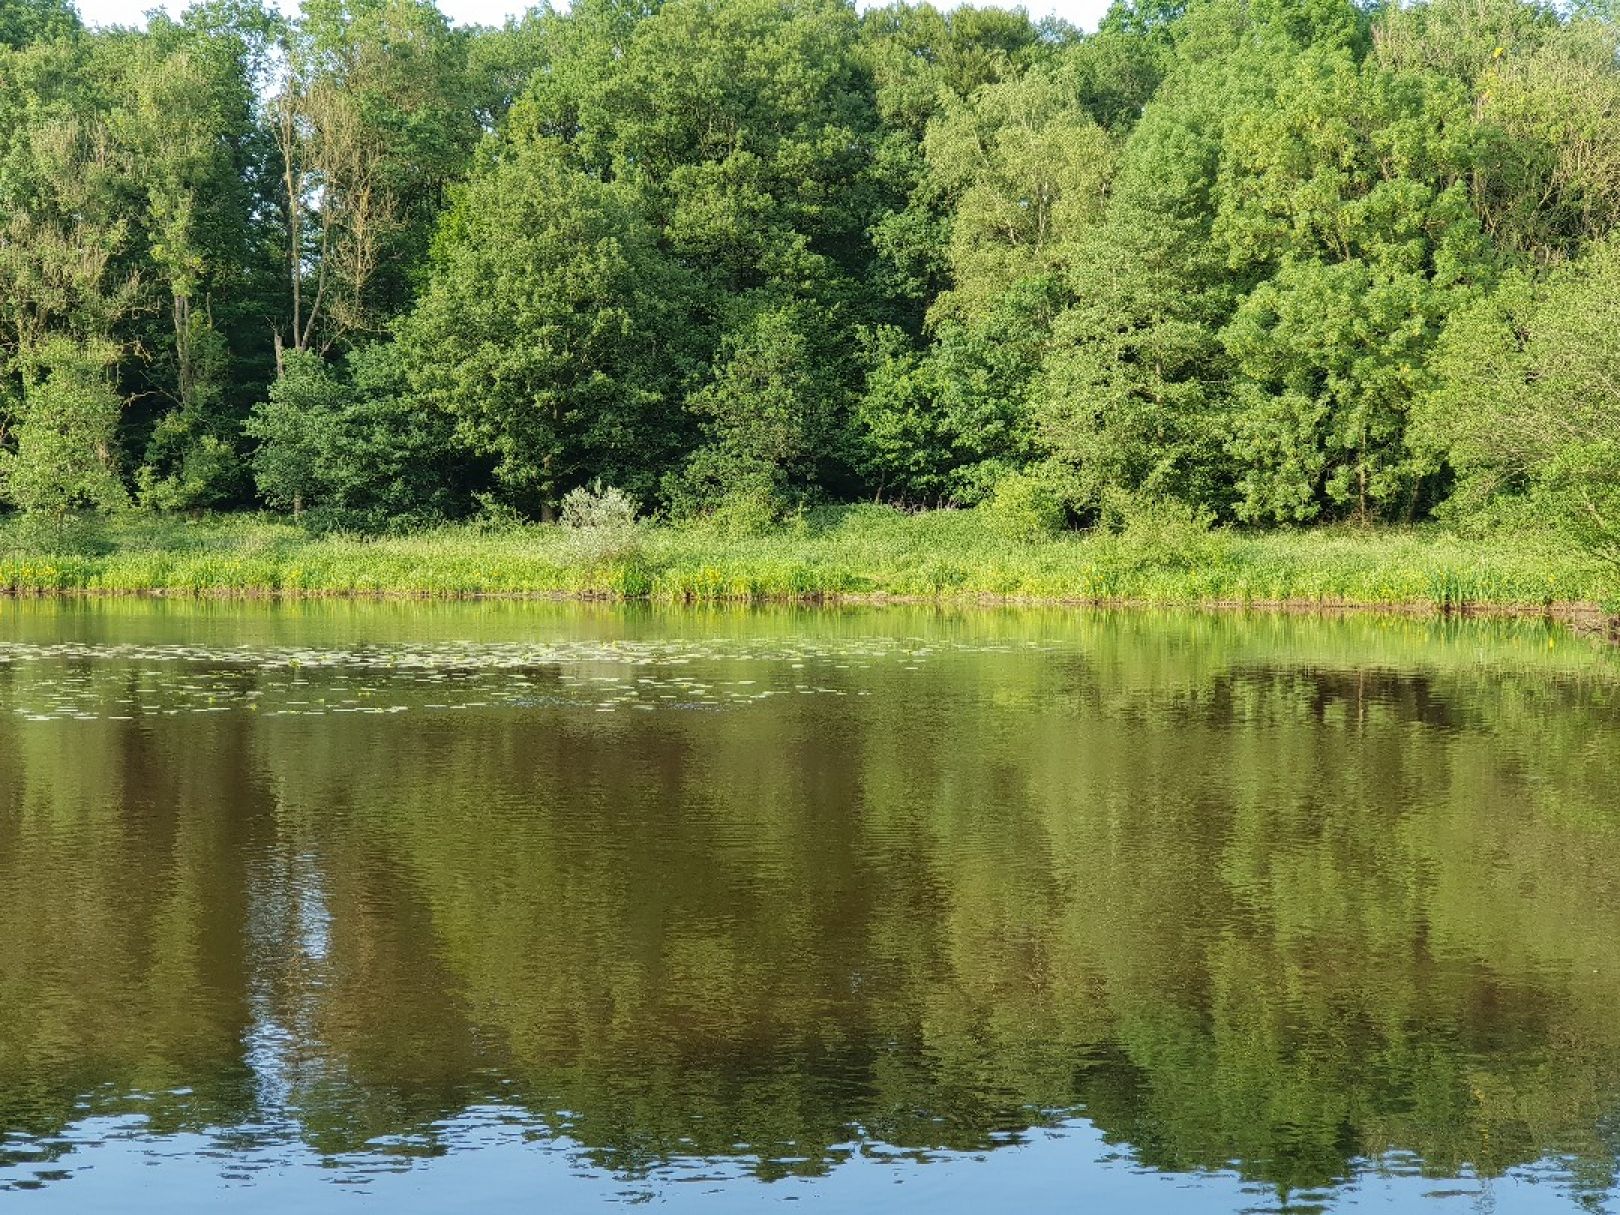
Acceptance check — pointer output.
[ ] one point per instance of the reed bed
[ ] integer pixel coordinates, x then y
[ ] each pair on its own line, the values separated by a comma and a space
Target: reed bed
848, 553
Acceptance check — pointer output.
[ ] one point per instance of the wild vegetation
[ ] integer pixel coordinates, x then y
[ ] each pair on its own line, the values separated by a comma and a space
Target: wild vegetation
1252, 264
850, 553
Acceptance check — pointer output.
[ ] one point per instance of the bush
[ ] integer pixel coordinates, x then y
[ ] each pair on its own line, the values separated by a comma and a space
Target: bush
601, 525
598, 506
749, 511
1161, 531
494, 515
206, 474
1025, 507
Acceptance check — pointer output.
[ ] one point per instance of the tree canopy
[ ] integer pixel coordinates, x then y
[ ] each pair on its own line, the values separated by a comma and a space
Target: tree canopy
1277, 261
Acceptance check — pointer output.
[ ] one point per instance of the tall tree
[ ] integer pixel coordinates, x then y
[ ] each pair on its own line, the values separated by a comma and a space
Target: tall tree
540, 329
186, 111
1021, 171
374, 119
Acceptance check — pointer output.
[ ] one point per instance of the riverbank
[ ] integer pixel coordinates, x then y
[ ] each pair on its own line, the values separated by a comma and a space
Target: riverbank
851, 554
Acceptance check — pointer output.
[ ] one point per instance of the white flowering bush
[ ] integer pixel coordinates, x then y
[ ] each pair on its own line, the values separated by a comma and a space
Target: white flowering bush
602, 525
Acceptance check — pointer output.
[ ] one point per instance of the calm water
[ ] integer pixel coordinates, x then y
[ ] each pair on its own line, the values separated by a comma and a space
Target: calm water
408, 907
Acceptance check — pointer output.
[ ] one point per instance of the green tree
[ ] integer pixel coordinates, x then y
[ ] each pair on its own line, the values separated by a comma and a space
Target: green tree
538, 328
295, 429
349, 443
1027, 170
1022, 172
65, 220
64, 455
946, 421
186, 112
772, 411
192, 458
1132, 395
1349, 193
922, 60
501, 61
26, 21
1526, 407
746, 132
1120, 66
1290, 227
1204, 254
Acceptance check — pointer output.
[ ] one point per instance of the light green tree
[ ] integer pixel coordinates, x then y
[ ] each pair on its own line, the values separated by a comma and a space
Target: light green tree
1526, 407
63, 459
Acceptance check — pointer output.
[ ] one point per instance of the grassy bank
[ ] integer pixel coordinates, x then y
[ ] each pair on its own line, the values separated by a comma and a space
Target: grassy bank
849, 553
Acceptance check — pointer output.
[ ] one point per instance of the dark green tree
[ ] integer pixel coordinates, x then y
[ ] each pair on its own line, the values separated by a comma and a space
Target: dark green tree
540, 329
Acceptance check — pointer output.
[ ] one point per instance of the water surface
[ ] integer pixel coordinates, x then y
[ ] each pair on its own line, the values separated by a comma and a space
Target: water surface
406, 907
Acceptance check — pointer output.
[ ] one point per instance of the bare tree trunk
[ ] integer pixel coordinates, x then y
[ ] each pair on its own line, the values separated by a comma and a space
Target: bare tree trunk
292, 181
182, 348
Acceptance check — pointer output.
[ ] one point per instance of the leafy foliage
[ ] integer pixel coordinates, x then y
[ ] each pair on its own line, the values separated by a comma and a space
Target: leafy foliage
534, 332
1527, 405
63, 455
351, 446
1253, 257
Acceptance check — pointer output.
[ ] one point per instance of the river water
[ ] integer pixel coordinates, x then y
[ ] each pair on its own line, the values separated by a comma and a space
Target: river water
409, 907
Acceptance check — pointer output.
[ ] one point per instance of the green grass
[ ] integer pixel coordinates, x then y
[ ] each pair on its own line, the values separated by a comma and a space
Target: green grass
851, 552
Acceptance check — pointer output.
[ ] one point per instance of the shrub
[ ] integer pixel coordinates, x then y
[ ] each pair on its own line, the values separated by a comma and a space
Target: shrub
494, 515
598, 506
1025, 507
751, 510
601, 526
1161, 531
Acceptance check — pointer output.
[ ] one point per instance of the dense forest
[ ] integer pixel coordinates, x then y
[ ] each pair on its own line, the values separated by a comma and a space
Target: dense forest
1271, 261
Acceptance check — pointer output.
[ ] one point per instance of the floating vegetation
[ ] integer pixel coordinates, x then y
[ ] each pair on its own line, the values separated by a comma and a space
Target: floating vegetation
77, 681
